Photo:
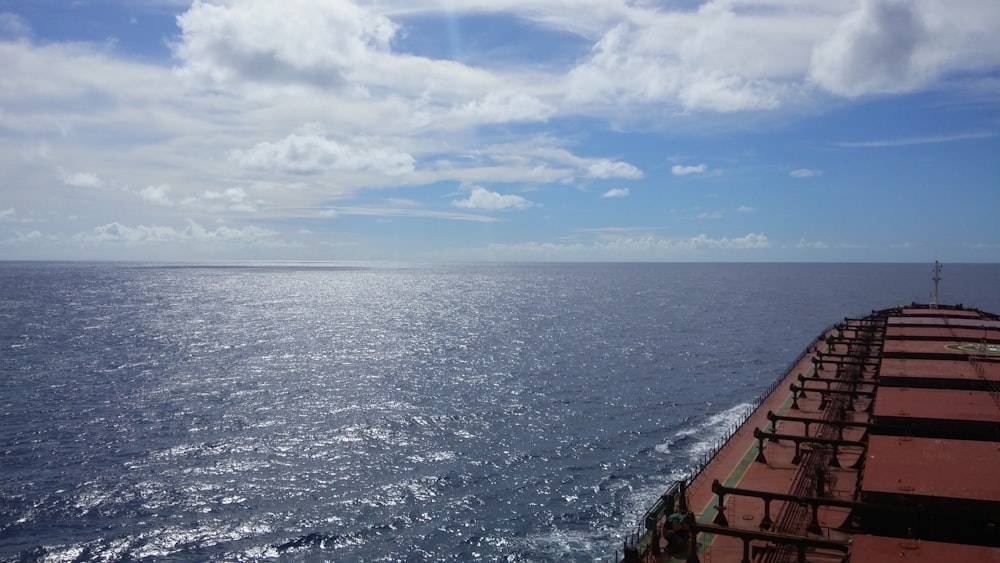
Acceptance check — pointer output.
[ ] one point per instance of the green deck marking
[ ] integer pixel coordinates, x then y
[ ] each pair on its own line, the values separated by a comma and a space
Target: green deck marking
739, 471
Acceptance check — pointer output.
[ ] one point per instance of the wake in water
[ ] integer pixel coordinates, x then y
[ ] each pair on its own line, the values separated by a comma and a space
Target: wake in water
688, 446
693, 443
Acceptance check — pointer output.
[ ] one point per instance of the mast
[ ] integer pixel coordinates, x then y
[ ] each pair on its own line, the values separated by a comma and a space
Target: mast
937, 279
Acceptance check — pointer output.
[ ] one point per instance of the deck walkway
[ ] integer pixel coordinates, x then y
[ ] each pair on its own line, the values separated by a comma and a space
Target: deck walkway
801, 497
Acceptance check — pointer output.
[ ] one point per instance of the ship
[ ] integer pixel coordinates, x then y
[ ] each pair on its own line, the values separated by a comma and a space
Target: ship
880, 443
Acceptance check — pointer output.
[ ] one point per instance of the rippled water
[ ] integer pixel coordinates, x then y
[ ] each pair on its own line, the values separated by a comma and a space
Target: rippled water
387, 412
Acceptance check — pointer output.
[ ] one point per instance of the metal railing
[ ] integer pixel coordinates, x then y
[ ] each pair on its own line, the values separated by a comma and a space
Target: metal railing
636, 540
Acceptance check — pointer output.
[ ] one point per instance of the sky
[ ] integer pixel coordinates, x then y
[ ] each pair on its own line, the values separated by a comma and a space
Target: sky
500, 130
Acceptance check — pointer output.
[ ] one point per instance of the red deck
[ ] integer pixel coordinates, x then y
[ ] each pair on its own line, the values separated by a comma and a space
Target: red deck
875, 549
937, 369
955, 469
946, 313
940, 404
958, 348
937, 321
942, 333
837, 458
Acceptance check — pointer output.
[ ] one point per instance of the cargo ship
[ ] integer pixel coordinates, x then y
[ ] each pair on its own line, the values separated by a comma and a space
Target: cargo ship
880, 443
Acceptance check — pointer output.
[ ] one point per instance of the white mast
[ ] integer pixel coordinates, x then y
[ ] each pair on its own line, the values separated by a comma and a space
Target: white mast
937, 279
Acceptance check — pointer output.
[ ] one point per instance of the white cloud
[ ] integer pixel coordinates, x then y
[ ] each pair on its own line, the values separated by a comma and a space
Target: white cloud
11, 215
548, 151
727, 56
481, 198
193, 232
234, 199
745, 209
306, 41
613, 169
156, 194
891, 46
679, 170
873, 50
681, 59
710, 215
506, 106
82, 180
406, 211
804, 173
933, 139
803, 243
751, 240
616, 192
309, 153
22, 238
12, 26
625, 247
719, 58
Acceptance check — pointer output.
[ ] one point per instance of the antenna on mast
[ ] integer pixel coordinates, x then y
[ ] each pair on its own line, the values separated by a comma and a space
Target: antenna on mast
937, 279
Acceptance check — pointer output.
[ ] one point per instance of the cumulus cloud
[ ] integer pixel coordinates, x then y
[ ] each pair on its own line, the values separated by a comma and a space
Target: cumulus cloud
82, 180
13, 27
406, 211
717, 58
22, 238
613, 169
300, 41
680, 170
156, 194
728, 57
626, 247
11, 215
668, 60
752, 240
506, 106
892, 46
310, 153
193, 232
803, 243
804, 173
616, 192
29, 236
875, 49
481, 198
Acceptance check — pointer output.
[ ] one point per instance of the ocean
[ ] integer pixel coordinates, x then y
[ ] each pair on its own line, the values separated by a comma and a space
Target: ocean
389, 412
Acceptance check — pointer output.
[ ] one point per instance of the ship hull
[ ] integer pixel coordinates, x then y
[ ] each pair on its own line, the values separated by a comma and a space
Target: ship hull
883, 437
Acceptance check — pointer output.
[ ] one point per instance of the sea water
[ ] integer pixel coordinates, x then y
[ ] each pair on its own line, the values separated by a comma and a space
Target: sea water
388, 412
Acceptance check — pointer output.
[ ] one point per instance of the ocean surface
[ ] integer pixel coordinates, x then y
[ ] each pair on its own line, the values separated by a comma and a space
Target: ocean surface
388, 412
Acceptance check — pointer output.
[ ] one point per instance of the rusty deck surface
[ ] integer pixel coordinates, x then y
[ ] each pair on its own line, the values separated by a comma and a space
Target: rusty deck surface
796, 481
937, 321
931, 467
936, 404
957, 348
938, 369
969, 334
875, 549
943, 313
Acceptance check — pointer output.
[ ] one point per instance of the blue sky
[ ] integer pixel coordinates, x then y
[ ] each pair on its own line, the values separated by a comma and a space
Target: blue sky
583, 130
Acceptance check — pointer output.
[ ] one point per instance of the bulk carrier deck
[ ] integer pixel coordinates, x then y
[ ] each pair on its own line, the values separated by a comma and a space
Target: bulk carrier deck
882, 443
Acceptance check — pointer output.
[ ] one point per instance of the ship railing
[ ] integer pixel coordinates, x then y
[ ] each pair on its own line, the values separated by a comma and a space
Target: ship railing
702, 462
639, 541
